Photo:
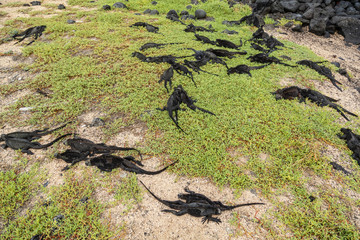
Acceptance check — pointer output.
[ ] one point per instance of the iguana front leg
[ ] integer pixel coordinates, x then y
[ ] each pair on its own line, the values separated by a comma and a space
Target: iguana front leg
27, 151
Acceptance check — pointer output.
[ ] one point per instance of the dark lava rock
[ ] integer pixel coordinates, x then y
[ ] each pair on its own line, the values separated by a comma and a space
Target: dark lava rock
297, 28
293, 16
106, 7
350, 28
290, 5
337, 19
188, 7
318, 26
147, 11
172, 14
330, 28
357, 6
70, 21
329, 11
185, 17
184, 13
119, 5
154, 12
351, 11
35, 3
308, 14
195, 2
200, 14
230, 32
154, 2
339, 10
61, 6
312, 198
277, 8
302, 7
344, 4
26, 5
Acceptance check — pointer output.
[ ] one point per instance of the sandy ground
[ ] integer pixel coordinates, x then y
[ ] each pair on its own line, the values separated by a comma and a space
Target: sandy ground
333, 49
145, 220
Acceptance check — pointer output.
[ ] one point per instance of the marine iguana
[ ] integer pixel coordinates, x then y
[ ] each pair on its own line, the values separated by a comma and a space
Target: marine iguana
242, 68
259, 48
195, 209
253, 19
224, 53
192, 28
71, 156
204, 39
33, 31
343, 72
30, 135
261, 37
86, 146
204, 57
196, 205
149, 27
227, 44
260, 34
264, 58
272, 43
166, 77
195, 66
155, 59
191, 196
155, 45
314, 96
182, 70
173, 104
108, 162
322, 70
24, 145
338, 167
352, 141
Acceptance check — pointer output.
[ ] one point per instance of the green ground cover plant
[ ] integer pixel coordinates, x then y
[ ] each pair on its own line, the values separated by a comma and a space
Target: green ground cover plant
88, 65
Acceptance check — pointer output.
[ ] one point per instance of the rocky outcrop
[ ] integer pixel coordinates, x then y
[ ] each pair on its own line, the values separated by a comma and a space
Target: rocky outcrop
323, 17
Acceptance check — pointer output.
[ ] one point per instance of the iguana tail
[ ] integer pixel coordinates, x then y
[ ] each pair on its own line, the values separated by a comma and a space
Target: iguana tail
46, 131
156, 172
224, 207
51, 143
